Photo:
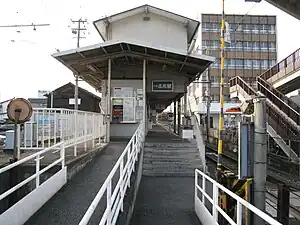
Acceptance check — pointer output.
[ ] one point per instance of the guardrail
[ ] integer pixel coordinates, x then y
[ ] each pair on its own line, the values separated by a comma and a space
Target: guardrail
286, 66
49, 126
14, 212
124, 168
204, 214
290, 108
58, 148
283, 127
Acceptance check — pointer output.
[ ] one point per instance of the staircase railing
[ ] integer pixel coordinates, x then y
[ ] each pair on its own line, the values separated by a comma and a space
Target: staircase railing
286, 66
283, 127
290, 108
115, 195
246, 87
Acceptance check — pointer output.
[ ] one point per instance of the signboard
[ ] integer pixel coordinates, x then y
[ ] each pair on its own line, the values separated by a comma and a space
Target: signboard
123, 92
128, 109
72, 101
162, 85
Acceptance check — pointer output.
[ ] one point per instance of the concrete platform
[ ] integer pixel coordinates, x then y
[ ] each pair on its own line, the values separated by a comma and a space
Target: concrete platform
165, 200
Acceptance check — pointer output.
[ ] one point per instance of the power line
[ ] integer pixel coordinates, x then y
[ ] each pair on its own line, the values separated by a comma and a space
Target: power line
25, 25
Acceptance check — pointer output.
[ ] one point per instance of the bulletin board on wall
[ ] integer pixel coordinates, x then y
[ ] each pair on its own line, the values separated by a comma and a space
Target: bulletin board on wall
125, 105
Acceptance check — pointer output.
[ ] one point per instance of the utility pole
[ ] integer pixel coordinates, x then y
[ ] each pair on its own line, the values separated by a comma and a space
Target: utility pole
221, 116
77, 31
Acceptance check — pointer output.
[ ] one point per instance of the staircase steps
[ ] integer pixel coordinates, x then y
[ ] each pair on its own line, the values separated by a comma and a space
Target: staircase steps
171, 159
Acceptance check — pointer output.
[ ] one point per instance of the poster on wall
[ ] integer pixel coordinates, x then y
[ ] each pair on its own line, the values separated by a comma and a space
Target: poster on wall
139, 114
122, 92
128, 109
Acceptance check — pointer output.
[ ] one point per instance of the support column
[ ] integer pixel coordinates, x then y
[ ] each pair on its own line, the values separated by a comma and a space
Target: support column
283, 204
174, 116
179, 117
260, 156
108, 102
144, 96
76, 113
185, 104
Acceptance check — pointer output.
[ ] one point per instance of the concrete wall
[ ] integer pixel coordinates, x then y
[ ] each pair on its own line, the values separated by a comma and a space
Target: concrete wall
158, 30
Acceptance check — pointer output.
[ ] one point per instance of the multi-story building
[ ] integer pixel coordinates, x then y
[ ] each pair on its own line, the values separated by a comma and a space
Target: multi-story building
253, 47
251, 51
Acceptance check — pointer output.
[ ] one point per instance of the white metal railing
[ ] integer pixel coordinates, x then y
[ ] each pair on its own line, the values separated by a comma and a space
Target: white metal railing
114, 197
49, 126
58, 148
214, 200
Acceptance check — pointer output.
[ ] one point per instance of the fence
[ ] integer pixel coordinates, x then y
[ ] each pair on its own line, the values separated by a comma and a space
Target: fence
50, 126
207, 217
123, 168
42, 191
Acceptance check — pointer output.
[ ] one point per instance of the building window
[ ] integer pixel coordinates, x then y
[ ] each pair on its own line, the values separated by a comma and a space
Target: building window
256, 46
247, 46
272, 63
272, 46
264, 64
256, 64
248, 28
264, 46
255, 29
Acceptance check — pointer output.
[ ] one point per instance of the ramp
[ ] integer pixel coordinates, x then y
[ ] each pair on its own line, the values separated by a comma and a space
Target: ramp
71, 202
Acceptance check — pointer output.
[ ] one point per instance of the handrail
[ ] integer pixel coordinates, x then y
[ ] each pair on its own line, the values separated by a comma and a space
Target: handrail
38, 172
51, 125
285, 127
115, 197
214, 200
295, 56
288, 107
279, 95
238, 80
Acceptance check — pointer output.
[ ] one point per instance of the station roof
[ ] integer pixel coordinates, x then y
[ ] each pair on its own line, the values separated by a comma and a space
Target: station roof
192, 25
90, 62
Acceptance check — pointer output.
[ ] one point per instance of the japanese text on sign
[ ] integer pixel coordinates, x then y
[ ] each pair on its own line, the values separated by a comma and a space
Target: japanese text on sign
162, 85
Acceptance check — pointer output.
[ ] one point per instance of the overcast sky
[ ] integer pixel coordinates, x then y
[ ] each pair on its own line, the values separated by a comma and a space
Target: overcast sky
26, 62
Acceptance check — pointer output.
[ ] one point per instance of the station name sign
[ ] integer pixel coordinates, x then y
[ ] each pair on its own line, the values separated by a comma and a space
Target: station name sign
162, 85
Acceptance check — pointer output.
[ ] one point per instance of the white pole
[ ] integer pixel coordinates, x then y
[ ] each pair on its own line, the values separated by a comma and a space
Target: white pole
108, 101
144, 95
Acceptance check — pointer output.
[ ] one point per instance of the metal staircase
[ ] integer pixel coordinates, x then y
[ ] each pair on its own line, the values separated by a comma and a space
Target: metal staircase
283, 119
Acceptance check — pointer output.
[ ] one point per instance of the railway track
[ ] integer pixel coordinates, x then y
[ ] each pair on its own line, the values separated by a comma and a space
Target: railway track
230, 163
274, 175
